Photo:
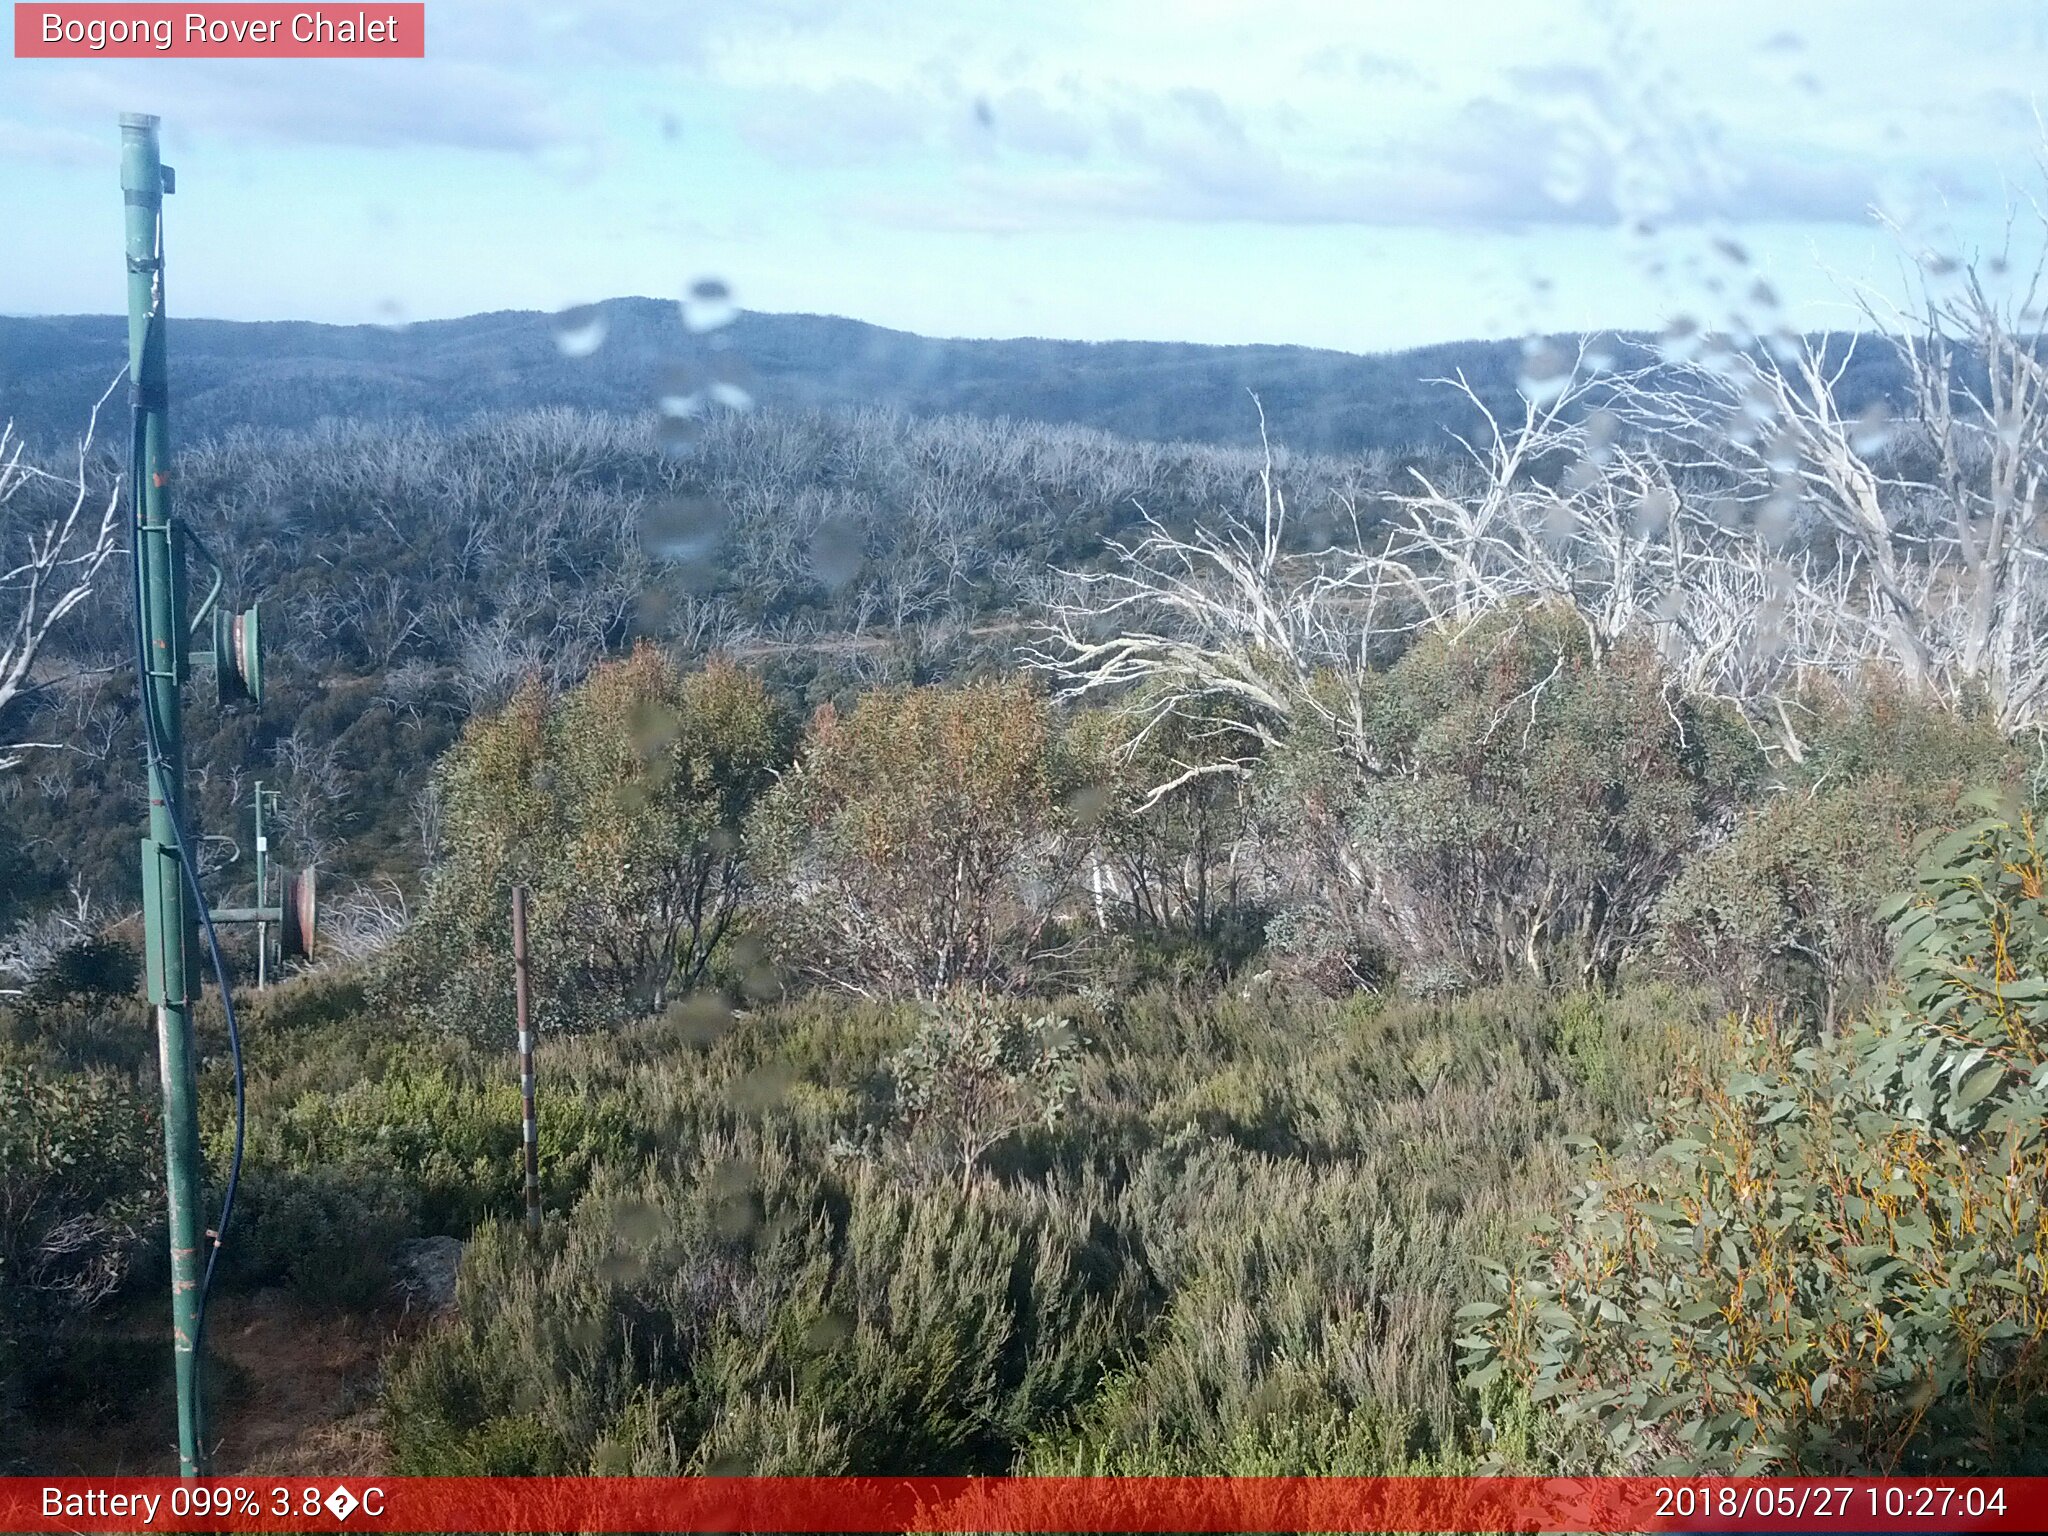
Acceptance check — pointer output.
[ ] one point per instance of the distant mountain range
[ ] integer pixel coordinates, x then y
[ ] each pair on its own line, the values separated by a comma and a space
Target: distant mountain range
227, 374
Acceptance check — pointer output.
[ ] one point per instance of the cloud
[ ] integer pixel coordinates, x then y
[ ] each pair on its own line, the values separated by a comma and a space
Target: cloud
1023, 119
1580, 123
858, 121
1354, 65
36, 145
1514, 161
1581, 159
320, 101
850, 122
636, 34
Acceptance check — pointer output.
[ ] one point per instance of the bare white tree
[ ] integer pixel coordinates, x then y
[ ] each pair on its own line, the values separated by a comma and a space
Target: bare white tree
1225, 627
1582, 503
1729, 506
29, 948
313, 789
49, 561
1942, 559
363, 921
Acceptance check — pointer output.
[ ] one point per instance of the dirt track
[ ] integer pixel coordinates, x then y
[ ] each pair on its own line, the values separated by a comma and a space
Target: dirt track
297, 1397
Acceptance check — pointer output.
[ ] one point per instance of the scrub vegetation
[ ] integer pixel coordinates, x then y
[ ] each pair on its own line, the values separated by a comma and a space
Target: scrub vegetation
1060, 953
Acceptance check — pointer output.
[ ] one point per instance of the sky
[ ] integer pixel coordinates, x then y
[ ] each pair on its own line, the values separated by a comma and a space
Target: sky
1356, 174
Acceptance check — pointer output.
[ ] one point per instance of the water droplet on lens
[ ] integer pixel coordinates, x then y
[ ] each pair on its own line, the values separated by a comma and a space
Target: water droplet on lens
1775, 519
837, 552
1546, 370
653, 728
1560, 522
573, 163
1567, 178
637, 1222
579, 330
1771, 614
762, 983
763, 1089
680, 391
1681, 340
686, 530
1087, 804
1654, 512
702, 1019
708, 306
1784, 453
678, 436
1872, 430
1319, 528
828, 1331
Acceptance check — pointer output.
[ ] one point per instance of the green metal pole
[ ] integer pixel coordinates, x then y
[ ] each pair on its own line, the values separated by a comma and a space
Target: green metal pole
160, 599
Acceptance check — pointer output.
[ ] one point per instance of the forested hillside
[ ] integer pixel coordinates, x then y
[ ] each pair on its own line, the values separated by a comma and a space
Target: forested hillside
624, 355
411, 576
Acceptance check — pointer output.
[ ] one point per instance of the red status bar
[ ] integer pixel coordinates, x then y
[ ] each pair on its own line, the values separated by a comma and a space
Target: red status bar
1148, 1504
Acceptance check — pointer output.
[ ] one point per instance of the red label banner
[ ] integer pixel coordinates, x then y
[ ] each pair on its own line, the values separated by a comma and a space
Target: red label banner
249, 29
1024, 1504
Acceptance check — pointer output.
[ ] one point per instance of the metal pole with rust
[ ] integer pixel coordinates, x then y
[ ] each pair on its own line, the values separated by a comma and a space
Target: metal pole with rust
529, 1134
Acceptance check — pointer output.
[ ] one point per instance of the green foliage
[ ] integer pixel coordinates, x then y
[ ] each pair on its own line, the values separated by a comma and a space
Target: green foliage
80, 1029
1965, 1047
734, 1311
1831, 1258
1164, 865
620, 807
921, 843
76, 1150
1514, 805
326, 1234
1785, 913
79, 1192
974, 1075
359, 1139
92, 970
1880, 728
1236, 1248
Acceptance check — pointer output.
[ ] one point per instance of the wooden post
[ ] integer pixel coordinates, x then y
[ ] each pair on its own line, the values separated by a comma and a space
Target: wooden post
529, 1133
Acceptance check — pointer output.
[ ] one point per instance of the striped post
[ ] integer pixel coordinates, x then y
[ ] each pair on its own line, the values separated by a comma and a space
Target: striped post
529, 1134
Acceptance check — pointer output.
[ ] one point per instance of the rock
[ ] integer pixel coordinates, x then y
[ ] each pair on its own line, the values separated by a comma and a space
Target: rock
423, 1272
